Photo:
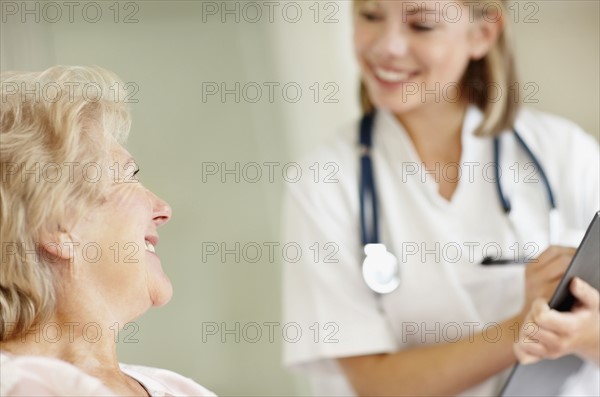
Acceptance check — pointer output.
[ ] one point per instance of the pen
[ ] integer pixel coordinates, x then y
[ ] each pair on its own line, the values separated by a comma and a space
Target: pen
489, 261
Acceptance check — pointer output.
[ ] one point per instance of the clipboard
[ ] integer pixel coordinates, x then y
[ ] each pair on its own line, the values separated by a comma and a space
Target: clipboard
547, 377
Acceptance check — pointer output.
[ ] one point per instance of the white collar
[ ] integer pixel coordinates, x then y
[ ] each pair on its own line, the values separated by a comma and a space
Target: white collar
153, 387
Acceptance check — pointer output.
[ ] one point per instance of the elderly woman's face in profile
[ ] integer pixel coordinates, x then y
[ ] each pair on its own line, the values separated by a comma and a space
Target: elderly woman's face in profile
122, 233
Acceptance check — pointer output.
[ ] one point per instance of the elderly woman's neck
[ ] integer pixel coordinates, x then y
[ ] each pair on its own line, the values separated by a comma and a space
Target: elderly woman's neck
89, 345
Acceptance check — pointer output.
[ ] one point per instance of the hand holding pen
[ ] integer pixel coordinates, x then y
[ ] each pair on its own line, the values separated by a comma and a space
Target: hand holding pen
543, 273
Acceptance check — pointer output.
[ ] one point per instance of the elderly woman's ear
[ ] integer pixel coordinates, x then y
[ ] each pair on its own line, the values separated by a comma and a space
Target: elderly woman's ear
58, 246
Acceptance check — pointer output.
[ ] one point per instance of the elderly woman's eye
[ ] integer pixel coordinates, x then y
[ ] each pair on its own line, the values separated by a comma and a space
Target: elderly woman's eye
370, 16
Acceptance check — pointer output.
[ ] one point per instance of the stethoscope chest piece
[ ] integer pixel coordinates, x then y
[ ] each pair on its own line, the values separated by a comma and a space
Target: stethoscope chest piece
380, 269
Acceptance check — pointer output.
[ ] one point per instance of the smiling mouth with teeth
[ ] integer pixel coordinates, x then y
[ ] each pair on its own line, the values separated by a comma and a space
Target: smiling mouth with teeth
391, 76
149, 246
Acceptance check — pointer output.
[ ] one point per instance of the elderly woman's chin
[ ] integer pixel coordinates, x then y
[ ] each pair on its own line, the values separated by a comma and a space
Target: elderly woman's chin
164, 295
160, 287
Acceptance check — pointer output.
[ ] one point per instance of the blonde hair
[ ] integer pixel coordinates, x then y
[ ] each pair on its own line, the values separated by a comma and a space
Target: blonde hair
495, 71
52, 125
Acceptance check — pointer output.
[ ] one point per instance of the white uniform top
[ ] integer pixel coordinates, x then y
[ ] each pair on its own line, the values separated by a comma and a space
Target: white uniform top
444, 293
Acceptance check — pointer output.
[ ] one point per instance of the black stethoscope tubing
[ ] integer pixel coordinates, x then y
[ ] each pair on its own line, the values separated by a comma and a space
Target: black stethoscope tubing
503, 199
368, 196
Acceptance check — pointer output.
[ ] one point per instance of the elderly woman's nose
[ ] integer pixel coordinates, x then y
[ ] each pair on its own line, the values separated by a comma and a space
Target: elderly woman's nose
161, 210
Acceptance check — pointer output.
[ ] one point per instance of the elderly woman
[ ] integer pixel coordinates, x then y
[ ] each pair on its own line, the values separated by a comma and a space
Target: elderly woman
78, 233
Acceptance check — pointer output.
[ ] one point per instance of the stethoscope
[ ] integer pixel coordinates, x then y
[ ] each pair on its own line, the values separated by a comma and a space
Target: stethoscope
381, 269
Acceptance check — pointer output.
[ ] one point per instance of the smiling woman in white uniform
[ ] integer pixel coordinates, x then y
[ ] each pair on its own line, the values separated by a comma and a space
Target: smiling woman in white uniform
450, 325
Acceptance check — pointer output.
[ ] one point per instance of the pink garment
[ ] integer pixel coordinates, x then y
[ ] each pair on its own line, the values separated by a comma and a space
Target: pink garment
44, 376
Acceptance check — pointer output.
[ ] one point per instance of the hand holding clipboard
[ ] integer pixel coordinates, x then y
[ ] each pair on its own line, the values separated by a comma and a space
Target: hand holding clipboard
547, 377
